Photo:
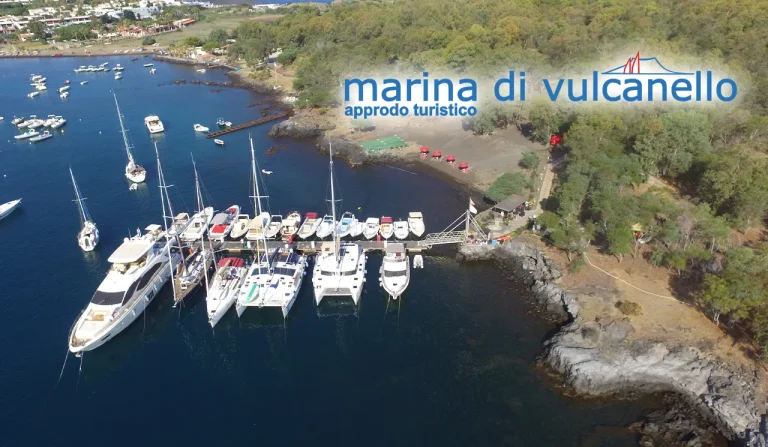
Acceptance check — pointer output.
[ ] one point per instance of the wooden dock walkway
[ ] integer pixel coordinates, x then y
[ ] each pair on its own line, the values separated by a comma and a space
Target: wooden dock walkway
266, 119
306, 246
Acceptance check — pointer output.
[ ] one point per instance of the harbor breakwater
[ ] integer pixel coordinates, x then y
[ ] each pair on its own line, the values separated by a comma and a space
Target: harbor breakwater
596, 358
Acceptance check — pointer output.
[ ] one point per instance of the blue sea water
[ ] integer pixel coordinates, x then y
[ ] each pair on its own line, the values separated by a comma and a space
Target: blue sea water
454, 365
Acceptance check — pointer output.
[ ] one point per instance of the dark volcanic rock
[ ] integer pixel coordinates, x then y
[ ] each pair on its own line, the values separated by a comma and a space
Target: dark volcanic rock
297, 128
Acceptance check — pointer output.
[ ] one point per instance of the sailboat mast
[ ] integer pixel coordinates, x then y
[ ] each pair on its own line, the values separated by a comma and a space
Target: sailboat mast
122, 130
197, 187
79, 199
256, 195
333, 201
163, 199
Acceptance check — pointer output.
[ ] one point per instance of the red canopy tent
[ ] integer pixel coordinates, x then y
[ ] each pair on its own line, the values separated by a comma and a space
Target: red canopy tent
554, 140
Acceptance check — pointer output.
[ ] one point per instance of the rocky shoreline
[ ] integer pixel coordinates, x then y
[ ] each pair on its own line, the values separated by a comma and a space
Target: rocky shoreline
595, 358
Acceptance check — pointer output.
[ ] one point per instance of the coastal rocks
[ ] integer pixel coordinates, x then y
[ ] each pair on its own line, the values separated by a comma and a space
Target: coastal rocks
297, 128
352, 152
598, 358
678, 424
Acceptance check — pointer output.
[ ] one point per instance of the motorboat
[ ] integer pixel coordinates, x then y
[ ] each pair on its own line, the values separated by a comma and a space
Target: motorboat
133, 171
357, 229
140, 268
179, 222
81, 69
118, 76
264, 171
133, 187
290, 225
118, 67
416, 223
35, 124
257, 226
395, 272
228, 123
326, 227
401, 229
1, 118
25, 123
340, 267
64, 95
154, 124
189, 273
153, 71
149, 65
222, 293
240, 226
28, 134
17, 120
41, 87
58, 122
275, 224
220, 122
285, 282
346, 223
83, 82
88, 237
43, 136
310, 225
371, 227
66, 82
201, 70
49, 121
222, 223
218, 142
63, 89
418, 262
386, 229
257, 278
33, 94
8, 207
200, 128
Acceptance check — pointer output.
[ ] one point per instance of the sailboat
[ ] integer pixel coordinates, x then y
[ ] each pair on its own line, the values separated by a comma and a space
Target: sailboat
258, 225
133, 172
339, 268
88, 237
198, 223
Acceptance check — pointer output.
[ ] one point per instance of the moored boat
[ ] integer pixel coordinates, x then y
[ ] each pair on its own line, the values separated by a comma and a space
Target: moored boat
154, 124
326, 227
416, 223
290, 225
275, 224
386, 229
88, 237
219, 142
43, 136
17, 120
240, 226
33, 94
222, 293
346, 223
8, 207
310, 225
133, 171
285, 281
222, 223
28, 134
371, 227
200, 128
395, 272
256, 280
63, 89
357, 229
401, 229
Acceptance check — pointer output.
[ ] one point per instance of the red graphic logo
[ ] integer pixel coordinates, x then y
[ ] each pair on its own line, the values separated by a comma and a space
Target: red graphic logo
633, 64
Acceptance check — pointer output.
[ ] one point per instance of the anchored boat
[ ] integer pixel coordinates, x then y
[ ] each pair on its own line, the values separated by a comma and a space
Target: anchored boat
88, 237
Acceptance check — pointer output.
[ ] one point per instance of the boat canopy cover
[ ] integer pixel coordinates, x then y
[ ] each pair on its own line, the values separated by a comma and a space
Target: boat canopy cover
218, 228
311, 215
130, 251
415, 214
233, 262
395, 248
386, 220
220, 219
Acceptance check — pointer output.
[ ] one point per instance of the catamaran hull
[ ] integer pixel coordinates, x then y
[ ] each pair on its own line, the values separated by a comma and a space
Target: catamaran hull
128, 317
354, 293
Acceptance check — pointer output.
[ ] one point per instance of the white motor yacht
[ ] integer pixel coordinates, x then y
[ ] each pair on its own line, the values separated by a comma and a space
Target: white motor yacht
140, 268
275, 224
326, 227
310, 225
133, 171
401, 229
386, 229
154, 124
339, 268
88, 237
395, 272
8, 207
416, 223
371, 227
223, 290
200, 128
257, 279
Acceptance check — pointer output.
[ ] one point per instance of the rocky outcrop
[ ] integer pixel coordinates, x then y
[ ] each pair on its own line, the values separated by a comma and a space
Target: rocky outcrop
596, 358
298, 128
677, 424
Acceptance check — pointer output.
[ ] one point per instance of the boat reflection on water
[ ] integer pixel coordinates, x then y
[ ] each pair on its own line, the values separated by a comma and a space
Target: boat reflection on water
338, 306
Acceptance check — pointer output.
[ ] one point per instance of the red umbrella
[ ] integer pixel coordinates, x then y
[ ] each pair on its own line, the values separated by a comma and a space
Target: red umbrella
437, 154
450, 158
424, 150
463, 165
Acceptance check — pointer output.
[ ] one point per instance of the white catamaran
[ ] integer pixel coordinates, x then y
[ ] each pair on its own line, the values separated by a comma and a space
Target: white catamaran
339, 268
88, 237
133, 171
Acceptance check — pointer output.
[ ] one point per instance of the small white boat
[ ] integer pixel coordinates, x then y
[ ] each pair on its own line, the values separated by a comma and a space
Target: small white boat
395, 272
81, 69
152, 71
371, 227
154, 124
416, 223
118, 76
219, 142
290, 225
43, 136
49, 122
222, 223
310, 225
201, 70
118, 67
35, 123
83, 82
357, 229
133, 187
346, 223
386, 229
63, 89
64, 95
200, 128
221, 122
401, 229
41, 87
58, 122
17, 120
326, 227
275, 224
8, 207
240, 226
228, 123
88, 237
28, 134
418, 262
33, 94
1, 118
264, 171
149, 65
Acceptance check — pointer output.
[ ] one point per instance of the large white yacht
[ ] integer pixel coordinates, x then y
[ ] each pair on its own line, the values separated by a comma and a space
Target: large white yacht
257, 279
140, 268
133, 171
339, 268
88, 237
222, 293
154, 124
395, 272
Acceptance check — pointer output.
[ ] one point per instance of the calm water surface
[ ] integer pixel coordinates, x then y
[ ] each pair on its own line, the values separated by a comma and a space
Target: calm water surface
452, 366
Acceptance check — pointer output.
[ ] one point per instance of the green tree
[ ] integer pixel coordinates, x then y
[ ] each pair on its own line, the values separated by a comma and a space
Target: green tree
37, 29
210, 46
192, 41
620, 239
149, 40
129, 15
218, 35
546, 120
530, 160
682, 137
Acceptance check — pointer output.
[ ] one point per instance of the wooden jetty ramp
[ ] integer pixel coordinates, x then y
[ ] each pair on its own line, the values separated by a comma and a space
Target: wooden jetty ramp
266, 119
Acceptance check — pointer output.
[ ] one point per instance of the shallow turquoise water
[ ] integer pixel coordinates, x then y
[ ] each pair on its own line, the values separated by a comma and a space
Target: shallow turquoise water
452, 366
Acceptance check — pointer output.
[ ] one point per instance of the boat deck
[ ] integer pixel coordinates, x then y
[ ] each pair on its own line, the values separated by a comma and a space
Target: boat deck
306, 246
